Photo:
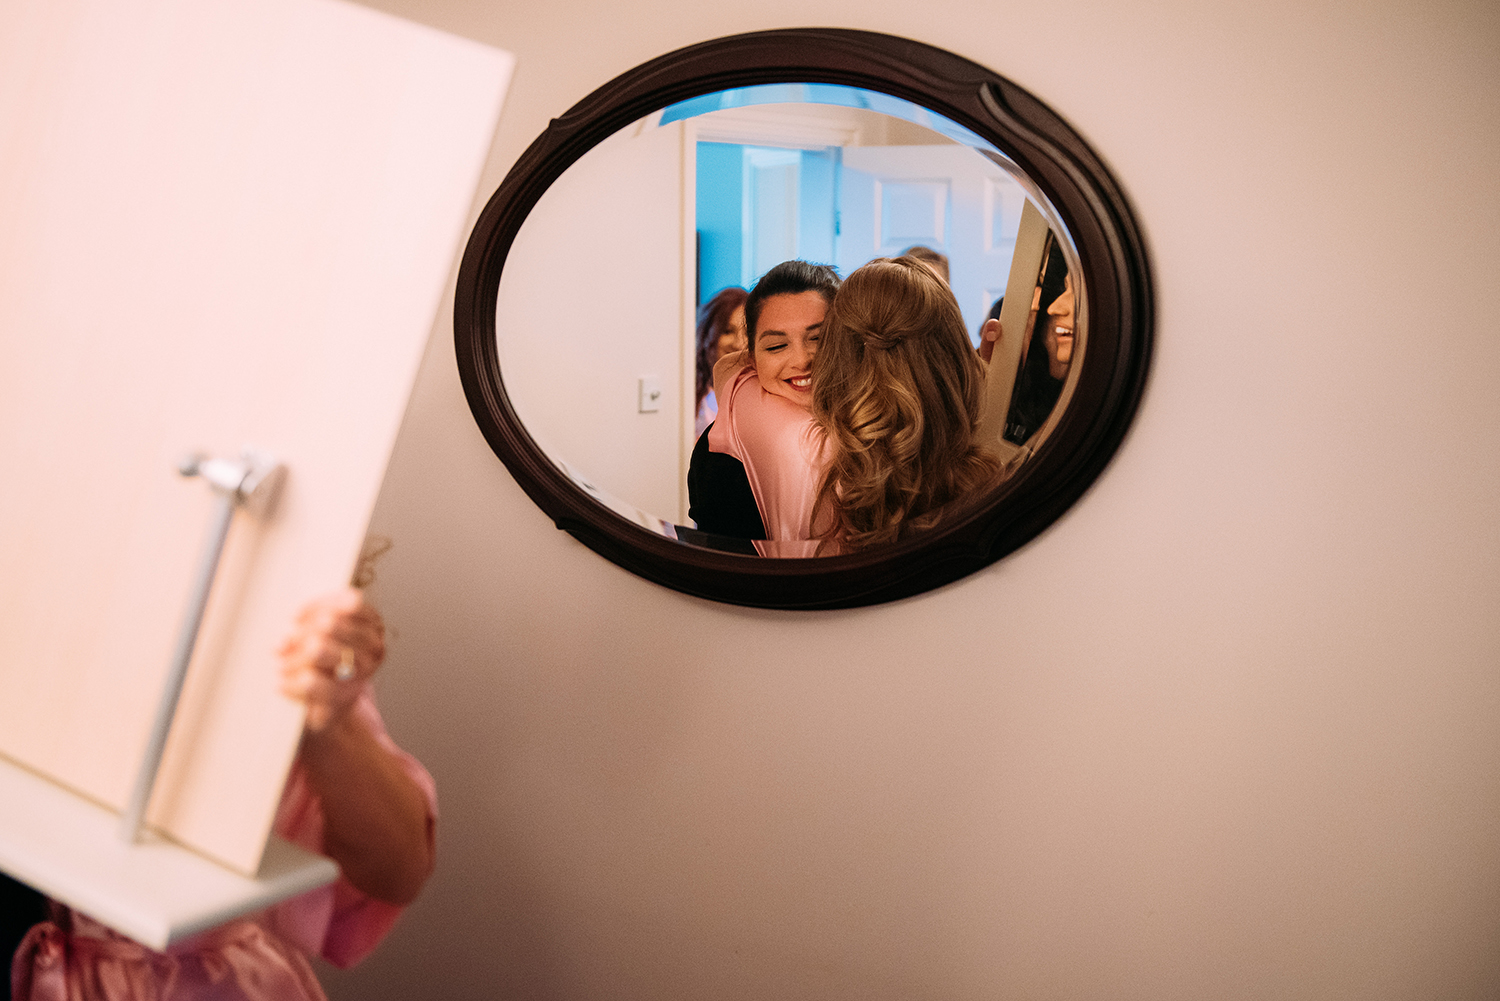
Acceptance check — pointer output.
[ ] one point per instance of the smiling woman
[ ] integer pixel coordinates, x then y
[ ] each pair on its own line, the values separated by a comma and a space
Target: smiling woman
702, 169
766, 423
782, 350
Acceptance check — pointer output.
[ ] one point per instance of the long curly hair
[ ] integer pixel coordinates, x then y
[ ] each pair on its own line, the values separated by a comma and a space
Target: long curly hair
897, 389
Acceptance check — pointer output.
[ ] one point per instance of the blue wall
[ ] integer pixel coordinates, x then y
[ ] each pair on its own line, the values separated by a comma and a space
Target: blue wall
720, 205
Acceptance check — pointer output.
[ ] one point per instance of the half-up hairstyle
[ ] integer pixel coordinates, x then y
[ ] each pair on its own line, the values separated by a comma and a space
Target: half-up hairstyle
897, 387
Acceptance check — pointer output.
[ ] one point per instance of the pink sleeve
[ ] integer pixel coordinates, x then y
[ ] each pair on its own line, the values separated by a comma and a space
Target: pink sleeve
781, 449
338, 922
724, 435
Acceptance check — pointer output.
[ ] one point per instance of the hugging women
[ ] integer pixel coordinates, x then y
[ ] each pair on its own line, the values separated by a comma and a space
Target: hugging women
855, 408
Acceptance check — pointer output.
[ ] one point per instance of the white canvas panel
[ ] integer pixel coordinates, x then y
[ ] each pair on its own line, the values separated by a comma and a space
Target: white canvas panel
153, 891
227, 223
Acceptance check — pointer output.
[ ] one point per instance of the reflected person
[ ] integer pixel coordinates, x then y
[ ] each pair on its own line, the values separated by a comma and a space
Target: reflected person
765, 399
1046, 354
926, 255
721, 331
898, 396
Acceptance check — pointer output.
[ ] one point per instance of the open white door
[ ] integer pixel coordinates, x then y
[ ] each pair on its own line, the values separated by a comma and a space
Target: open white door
945, 197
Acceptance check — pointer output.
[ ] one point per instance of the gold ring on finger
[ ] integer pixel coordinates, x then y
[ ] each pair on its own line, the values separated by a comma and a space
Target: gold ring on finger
345, 669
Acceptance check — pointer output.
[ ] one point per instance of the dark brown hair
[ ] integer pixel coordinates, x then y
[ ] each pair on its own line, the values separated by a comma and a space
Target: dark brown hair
713, 323
788, 278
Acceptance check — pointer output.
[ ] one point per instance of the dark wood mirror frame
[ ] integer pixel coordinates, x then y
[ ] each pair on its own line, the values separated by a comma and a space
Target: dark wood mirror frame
1111, 251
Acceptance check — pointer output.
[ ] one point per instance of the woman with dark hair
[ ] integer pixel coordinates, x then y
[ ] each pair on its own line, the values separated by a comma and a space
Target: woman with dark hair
765, 396
1047, 353
721, 331
897, 394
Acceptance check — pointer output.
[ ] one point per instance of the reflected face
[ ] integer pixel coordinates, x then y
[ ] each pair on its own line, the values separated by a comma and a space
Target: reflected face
1059, 335
786, 339
733, 338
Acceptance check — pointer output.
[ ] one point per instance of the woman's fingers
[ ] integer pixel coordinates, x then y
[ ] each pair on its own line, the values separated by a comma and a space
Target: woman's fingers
325, 699
327, 646
346, 604
989, 334
344, 656
337, 642
325, 696
339, 620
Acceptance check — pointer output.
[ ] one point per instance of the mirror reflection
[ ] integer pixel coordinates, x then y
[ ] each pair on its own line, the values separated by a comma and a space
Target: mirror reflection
790, 320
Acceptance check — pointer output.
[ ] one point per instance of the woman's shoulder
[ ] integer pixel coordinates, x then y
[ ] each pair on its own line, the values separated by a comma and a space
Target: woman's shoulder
723, 433
729, 370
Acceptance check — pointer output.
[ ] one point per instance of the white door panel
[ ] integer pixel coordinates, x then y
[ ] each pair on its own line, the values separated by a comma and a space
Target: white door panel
946, 197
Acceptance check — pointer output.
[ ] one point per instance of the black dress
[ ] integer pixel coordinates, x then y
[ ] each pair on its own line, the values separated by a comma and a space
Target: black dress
20, 908
719, 498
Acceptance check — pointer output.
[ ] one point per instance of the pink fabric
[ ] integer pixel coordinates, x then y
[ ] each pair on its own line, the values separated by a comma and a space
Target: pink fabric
260, 958
338, 922
239, 962
781, 448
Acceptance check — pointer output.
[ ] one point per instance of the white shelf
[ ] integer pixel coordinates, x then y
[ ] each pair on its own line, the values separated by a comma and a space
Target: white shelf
155, 891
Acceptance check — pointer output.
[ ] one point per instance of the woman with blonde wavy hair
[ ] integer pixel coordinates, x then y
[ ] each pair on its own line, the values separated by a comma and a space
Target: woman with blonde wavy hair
897, 389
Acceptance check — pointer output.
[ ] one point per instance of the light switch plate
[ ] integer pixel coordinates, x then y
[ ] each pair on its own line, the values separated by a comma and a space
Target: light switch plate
650, 401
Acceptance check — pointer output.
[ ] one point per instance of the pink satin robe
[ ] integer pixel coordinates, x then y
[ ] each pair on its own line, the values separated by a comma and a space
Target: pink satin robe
782, 451
260, 958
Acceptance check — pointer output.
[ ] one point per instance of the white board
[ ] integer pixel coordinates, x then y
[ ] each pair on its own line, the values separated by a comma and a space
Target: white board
226, 223
153, 891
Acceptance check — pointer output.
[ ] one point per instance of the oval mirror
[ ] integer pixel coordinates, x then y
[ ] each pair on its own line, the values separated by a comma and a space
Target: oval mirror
647, 207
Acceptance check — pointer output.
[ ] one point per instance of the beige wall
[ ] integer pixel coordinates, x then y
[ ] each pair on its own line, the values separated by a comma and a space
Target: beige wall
591, 302
1229, 729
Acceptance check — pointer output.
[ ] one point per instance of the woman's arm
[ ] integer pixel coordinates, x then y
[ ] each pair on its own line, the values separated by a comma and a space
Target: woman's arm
725, 369
375, 817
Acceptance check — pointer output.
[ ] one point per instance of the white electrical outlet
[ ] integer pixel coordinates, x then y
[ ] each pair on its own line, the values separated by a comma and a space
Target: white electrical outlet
650, 394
